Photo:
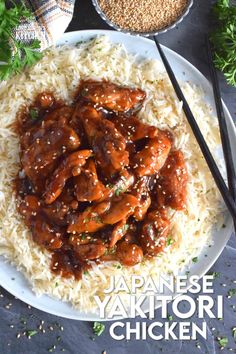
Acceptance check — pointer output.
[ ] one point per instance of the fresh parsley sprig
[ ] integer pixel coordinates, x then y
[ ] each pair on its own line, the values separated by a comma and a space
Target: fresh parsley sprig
98, 328
224, 39
14, 54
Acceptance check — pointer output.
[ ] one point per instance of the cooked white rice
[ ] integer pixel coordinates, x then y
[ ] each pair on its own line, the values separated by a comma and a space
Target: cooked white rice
60, 71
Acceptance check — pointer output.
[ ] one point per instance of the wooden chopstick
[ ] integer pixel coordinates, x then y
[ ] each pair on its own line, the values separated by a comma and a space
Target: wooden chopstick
199, 137
228, 157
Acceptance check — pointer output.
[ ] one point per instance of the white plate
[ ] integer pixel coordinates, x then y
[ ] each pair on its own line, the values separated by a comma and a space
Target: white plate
14, 281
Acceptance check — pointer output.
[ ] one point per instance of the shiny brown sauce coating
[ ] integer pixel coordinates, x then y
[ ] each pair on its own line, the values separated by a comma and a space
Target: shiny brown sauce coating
95, 181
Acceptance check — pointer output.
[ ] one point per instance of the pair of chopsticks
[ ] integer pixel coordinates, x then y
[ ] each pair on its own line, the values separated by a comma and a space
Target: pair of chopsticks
225, 192
228, 157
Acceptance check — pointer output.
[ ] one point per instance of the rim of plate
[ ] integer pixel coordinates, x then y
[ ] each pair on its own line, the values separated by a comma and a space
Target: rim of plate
69, 38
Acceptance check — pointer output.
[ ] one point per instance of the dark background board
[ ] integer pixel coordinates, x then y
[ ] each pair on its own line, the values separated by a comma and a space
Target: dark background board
77, 337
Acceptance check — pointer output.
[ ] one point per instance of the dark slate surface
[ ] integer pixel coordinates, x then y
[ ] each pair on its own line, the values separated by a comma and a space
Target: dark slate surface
76, 337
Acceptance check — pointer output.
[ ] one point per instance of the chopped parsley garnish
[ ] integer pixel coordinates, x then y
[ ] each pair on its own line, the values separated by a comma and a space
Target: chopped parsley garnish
232, 292
195, 260
118, 266
169, 241
215, 274
83, 236
78, 43
109, 251
123, 228
98, 328
31, 333
118, 191
34, 114
223, 341
97, 219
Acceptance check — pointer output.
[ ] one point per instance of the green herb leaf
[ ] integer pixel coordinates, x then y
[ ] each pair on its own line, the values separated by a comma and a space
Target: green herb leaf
232, 292
123, 229
169, 241
118, 191
98, 328
118, 266
234, 332
14, 54
224, 39
33, 113
31, 333
83, 236
223, 342
215, 274
195, 260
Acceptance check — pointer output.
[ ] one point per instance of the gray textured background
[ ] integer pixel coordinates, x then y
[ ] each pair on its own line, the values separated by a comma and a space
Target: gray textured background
77, 337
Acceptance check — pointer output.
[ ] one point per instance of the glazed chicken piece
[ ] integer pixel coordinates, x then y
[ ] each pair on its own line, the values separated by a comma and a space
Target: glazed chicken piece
64, 112
77, 124
90, 251
154, 233
171, 186
81, 239
107, 143
133, 129
105, 213
90, 220
29, 207
122, 184
118, 232
40, 158
57, 211
152, 157
36, 132
111, 96
129, 254
43, 234
121, 208
69, 167
88, 188
141, 192
39, 129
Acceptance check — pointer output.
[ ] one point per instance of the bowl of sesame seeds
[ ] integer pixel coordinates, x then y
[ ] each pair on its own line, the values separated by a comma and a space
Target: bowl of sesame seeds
142, 17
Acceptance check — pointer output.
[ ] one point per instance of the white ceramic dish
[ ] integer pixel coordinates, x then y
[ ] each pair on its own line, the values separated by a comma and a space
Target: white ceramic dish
14, 281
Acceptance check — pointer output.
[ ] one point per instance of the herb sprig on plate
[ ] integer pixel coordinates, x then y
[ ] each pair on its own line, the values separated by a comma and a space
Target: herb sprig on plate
224, 39
14, 54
